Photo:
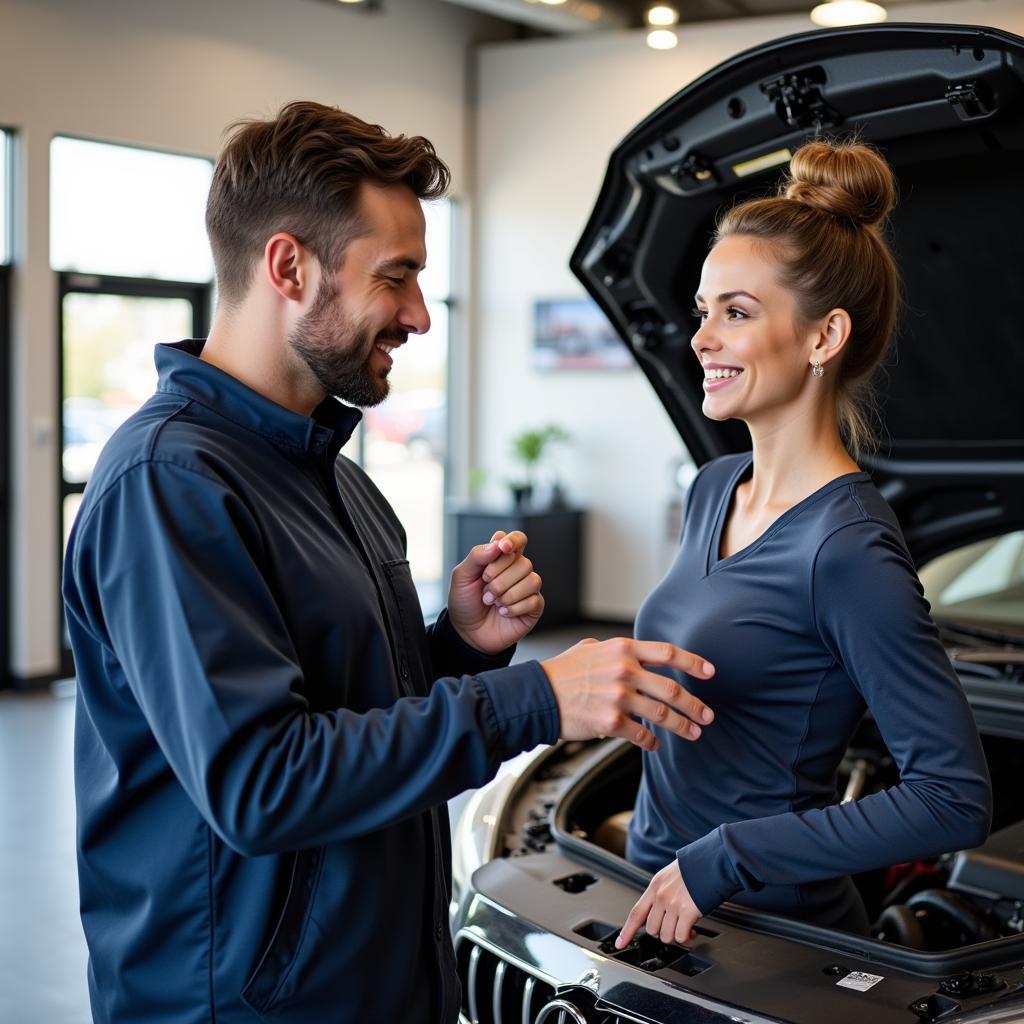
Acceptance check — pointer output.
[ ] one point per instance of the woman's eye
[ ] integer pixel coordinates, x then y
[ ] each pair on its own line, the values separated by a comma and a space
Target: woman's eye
698, 313
733, 309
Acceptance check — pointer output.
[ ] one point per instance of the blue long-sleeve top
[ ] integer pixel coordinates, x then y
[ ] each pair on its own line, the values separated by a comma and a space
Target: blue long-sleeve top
266, 732
816, 618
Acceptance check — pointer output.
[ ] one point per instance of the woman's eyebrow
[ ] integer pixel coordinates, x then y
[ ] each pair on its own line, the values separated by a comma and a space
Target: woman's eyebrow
726, 296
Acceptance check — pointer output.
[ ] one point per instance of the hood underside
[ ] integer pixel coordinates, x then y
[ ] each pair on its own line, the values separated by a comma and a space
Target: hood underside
945, 105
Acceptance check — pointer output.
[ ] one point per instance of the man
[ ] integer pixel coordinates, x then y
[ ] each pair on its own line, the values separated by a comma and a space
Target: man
266, 732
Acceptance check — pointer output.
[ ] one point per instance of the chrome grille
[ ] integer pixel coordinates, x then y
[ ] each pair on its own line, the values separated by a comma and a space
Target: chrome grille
497, 991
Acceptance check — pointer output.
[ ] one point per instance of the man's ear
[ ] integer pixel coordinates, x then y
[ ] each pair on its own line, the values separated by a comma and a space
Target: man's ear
833, 334
288, 267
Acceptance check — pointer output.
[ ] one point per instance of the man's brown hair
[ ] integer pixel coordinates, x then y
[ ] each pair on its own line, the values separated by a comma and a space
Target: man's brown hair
301, 173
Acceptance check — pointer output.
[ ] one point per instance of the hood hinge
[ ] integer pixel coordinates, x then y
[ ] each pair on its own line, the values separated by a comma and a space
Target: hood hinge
970, 100
798, 99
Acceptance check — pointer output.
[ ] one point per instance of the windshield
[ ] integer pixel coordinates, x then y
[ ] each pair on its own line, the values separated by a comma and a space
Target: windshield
981, 584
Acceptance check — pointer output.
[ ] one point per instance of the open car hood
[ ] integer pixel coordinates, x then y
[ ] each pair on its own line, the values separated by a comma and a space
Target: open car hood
945, 104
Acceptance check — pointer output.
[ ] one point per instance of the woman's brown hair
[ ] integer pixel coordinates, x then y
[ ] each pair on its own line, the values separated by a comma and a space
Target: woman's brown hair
824, 228
301, 173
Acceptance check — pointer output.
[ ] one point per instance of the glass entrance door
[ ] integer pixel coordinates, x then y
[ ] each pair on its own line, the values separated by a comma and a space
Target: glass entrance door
108, 329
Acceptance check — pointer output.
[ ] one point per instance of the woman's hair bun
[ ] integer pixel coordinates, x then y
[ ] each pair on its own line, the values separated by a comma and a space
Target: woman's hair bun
846, 179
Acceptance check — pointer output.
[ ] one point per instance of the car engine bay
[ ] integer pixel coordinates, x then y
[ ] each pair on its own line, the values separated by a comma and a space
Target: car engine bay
946, 903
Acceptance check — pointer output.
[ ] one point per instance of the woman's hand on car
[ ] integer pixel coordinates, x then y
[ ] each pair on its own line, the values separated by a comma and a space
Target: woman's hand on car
665, 910
603, 689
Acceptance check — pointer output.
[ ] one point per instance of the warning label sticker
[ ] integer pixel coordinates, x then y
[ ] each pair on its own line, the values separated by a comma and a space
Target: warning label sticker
859, 980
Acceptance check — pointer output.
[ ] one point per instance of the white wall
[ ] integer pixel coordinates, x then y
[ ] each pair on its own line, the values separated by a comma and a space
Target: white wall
171, 76
549, 114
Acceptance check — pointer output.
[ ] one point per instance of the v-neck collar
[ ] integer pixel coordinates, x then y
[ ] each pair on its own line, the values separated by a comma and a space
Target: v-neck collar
739, 474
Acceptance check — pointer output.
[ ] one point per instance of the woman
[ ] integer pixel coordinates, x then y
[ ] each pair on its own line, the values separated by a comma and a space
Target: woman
794, 580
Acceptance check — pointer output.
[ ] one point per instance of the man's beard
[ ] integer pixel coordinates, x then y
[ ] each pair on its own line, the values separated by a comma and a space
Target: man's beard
337, 350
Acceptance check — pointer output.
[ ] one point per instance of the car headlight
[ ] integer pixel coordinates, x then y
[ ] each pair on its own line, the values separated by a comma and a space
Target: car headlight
475, 840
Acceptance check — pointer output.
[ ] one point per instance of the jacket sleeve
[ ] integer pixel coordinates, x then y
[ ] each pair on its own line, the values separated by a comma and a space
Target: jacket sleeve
872, 616
167, 579
450, 655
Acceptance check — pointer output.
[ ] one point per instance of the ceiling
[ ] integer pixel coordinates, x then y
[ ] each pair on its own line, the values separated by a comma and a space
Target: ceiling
589, 15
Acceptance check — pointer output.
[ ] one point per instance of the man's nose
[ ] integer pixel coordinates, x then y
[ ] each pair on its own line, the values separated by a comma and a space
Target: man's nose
413, 315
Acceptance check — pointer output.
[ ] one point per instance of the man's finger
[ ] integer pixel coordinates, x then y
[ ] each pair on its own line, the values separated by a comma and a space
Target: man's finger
481, 555
510, 543
638, 735
529, 606
636, 917
669, 692
516, 583
653, 652
506, 572
661, 715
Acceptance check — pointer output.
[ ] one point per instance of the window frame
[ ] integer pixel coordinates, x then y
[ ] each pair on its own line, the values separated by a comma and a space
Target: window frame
453, 306
76, 283
6, 420
6, 451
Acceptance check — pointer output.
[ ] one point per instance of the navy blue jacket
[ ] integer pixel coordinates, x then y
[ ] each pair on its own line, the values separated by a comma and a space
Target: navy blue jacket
266, 733
818, 617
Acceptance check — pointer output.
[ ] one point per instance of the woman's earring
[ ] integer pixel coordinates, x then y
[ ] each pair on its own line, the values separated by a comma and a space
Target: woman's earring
819, 370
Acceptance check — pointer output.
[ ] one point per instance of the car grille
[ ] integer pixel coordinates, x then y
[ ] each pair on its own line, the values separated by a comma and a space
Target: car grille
498, 990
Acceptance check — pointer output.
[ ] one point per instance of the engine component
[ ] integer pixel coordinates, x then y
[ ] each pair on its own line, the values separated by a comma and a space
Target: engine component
995, 869
611, 833
948, 918
900, 924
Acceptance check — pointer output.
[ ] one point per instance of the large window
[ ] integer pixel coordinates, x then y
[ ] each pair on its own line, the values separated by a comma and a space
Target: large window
5, 403
137, 213
405, 441
128, 237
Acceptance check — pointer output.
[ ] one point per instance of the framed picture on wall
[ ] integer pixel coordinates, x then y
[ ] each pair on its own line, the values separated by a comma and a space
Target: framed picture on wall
573, 334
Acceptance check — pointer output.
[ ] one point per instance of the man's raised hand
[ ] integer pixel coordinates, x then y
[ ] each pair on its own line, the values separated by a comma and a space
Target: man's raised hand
602, 689
494, 598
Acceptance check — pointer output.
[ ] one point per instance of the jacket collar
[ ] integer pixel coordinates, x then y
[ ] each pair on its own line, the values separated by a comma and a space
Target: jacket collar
182, 372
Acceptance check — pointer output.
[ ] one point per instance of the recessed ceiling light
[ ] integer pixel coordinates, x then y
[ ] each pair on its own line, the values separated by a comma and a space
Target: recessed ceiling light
553, 3
662, 14
662, 39
837, 13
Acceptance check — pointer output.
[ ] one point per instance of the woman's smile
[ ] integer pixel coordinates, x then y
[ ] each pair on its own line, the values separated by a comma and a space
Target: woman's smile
716, 378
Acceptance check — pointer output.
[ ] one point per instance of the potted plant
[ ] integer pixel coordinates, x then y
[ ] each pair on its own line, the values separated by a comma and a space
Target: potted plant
528, 448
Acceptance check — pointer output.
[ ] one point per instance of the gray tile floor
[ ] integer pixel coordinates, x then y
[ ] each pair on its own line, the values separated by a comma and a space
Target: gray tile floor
42, 951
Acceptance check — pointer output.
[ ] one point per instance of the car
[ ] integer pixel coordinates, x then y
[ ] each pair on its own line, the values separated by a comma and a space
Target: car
541, 886
88, 425
415, 420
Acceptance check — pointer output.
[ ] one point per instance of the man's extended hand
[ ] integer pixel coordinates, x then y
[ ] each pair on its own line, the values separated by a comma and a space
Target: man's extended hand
494, 599
665, 909
603, 689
